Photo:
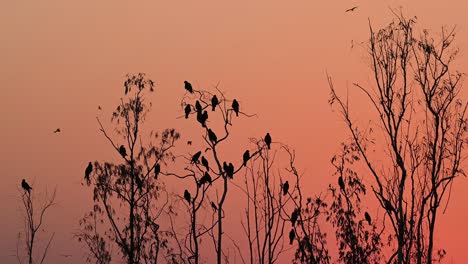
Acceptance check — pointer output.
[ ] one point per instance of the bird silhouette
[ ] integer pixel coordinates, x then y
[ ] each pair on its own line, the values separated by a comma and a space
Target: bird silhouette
202, 118
294, 216
341, 183
204, 162
157, 170
228, 169
187, 111
187, 196
351, 9
198, 107
205, 179
188, 87
212, 136
368, 218
285, 187
246, 157
214, 102
189, 142
213, 205
57, 130
122, 151
388, 206
88, 171
268, 140
292, 235
195, 157
235, 107
26, 186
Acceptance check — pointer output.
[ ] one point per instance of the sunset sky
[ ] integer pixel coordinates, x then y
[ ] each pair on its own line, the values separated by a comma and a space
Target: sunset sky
59, 60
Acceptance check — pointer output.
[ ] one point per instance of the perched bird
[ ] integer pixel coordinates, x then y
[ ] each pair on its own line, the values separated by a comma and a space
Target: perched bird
351, 9
213, 205
205, 179
189, 142
228, 169
188, 87
368, 218
285, 187
294, 216
88, 171
26, 186
187, 196
341, 183
122, 151
388, 206
292, 235
195, 157
235, 107
268, 140
214, 102
212, 136
198, 107
157, 170
246, 157
202, 118
187, 111
57, 130
204, 162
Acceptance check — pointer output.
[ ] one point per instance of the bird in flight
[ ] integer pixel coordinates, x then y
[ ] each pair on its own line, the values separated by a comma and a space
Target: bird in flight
188, 87
351, 9
57, 130
26, 186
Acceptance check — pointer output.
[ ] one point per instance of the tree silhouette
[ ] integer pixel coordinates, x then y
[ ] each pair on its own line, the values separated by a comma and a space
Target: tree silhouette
421, 125
34, 218
127, 195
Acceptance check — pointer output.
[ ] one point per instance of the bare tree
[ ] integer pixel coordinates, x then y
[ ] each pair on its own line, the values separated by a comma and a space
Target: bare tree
34, 218
128, 196
421, 127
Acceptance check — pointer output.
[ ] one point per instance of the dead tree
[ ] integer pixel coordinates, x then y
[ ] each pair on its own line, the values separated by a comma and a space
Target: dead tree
420, 128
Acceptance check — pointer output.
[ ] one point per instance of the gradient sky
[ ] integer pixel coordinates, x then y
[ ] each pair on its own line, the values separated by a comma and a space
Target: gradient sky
60, 59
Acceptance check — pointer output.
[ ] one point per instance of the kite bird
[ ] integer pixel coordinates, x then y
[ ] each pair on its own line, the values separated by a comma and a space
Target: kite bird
198, 107
341, 183
157, 170
294, 216
57, 130
195, 157
122, 151
205, 179
212, 136
188, 87
368, 218
285, 187
246, 157
214, 102
235, 107
229, 169
187, 110
351, 9
26, 186
187, 196
202, 118
204, 162
292, 235
268, 140
88, 171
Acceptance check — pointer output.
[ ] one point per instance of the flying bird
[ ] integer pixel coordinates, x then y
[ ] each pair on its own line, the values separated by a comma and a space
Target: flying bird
292, 235
214, 102
198, 106
204, 162
268, 140
341, 183
294, 216
157, 170
212, 136
235, 107
351, 9
122, 151
188, 87
26, 186
187, 111
285, 187
57, 130
187, 196
368, 218
195, 157
246, 157
88, 171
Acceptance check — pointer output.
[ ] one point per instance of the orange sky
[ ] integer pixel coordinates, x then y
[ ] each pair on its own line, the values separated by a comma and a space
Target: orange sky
60, 59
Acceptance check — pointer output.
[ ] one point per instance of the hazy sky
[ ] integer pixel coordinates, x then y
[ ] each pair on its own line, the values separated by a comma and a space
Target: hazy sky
59, 60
